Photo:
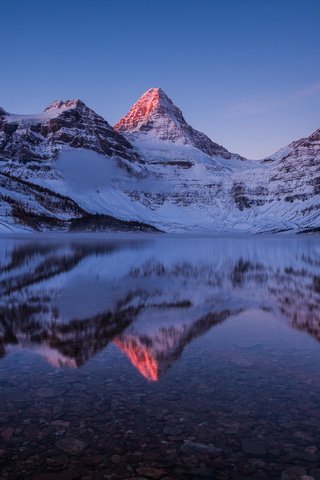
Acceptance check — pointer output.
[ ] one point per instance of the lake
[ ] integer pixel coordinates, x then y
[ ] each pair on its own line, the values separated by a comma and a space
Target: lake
158, 357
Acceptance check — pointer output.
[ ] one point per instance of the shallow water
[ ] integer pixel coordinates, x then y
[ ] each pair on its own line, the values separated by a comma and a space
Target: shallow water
159, 357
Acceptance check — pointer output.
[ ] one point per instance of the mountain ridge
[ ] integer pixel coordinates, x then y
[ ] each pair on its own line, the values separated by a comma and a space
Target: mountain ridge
69, 122
152, 169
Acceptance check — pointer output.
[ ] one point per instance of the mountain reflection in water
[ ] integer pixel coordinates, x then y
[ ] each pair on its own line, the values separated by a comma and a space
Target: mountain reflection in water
67, 300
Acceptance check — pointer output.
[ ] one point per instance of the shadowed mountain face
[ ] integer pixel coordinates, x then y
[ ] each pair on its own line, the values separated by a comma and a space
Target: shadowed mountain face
68, 300
38, 137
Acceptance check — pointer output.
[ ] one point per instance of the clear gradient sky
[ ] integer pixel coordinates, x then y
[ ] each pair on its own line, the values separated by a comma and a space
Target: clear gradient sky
245, 72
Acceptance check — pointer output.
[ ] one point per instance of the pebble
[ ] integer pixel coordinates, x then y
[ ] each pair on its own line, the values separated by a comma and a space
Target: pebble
252, 447
64, 475
72, 446
116, 459
60, 423
190, 448
151, 472
49, 392
294, 473
7, 434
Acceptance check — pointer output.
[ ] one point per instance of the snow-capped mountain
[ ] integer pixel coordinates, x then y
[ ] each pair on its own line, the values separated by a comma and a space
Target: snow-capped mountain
67, 168
300, 157
204, 188
308, 147
154, 115
33, 190
33, 138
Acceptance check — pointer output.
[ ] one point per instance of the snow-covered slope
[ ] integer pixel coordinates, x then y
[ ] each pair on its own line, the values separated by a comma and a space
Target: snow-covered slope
67, 168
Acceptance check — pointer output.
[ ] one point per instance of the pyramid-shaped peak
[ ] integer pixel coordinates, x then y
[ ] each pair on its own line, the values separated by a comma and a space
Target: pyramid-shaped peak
155, 116
154, 91
153, 103
2, 111
65, 105
156, 95
155, 99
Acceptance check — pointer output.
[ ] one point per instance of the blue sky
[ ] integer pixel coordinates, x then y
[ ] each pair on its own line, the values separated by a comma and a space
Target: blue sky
245, 72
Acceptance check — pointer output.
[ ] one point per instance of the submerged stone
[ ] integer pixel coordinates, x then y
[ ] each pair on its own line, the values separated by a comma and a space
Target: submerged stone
191, 448
72, 446
151, 472
251, 447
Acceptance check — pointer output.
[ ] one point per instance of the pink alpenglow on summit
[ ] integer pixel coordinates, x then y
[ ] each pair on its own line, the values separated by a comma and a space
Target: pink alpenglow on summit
153, 101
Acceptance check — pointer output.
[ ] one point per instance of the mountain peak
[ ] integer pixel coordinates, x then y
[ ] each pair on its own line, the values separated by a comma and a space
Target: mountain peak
156, 98
64, 105
153, 103
63, 123
154, 92
155, 115
2, 111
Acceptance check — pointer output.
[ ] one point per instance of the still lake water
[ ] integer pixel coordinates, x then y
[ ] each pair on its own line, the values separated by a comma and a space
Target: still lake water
158, 357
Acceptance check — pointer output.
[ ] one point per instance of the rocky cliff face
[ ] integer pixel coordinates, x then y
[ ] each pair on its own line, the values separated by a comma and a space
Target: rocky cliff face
300, 159
70, 123
295, 175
